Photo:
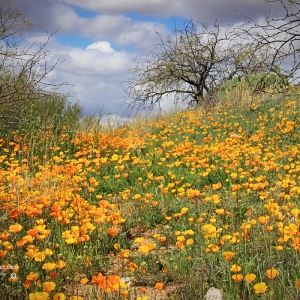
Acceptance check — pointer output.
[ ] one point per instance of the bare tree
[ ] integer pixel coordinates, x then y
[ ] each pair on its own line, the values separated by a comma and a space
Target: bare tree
281, 35
190, 66
23, 69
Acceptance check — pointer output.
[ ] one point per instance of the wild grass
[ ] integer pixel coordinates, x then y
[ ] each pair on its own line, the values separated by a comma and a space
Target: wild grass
163, 208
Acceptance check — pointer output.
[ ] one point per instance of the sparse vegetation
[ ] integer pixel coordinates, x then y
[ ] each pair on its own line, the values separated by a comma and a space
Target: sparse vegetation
28, 100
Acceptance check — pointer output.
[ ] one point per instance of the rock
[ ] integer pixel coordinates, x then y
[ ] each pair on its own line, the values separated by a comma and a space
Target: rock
126, 280
213, 294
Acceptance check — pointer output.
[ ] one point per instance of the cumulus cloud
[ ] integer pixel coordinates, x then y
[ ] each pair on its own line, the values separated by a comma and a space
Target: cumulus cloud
122, 30
94, 74
96, 62
102, 46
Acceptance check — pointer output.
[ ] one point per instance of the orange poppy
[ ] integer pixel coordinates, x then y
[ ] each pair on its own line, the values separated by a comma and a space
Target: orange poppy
49, 286
159, 286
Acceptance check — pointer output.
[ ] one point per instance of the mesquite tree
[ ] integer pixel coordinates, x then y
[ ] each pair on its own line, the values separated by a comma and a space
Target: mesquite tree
191, 65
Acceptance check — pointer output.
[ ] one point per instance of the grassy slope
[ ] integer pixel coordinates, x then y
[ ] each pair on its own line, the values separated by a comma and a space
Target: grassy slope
178, 200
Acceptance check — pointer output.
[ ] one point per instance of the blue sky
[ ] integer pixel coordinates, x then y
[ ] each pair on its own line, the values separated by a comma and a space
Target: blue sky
98, 39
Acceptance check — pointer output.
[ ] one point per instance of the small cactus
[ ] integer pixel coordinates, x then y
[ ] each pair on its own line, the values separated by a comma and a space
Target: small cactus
257, 82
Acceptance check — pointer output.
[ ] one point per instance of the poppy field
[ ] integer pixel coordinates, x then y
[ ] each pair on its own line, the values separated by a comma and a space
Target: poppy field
159, 209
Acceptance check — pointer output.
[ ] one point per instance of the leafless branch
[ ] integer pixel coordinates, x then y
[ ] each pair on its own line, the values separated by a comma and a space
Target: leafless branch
191, 65
281, 35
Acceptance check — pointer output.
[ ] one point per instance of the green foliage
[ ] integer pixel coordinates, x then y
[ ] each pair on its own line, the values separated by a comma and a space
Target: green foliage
27, 101
257, 83
24, 109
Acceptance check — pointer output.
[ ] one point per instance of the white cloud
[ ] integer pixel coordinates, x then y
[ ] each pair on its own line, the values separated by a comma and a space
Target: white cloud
102, 46
142, 34
122, 30
98, 59
94, 74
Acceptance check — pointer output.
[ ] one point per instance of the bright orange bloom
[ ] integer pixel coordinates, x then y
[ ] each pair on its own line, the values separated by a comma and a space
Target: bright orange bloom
159, 286
49, 266
39, 296
298, 284
237, 277
250, 277
190, 242
32, 276
263, 219
84, 280
146, 248
107, 284
228, 255
220, 211
217, 186
272, 273
124, 253
59, 296
184, 210
4, 235
260, 288
180, 242
49, 286
48, 252
235, 187
279, 248
124, 293
235, 268
70, 240
189, 232
60, 264
40, 256
32, 251
3, 253
27, 284
216, 199
33, 232
15, 228
98, 278
53, 275
234, 175
112, 231
56, 208
26, 239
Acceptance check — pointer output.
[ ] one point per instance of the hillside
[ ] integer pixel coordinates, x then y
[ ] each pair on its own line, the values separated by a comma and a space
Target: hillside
159, 209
